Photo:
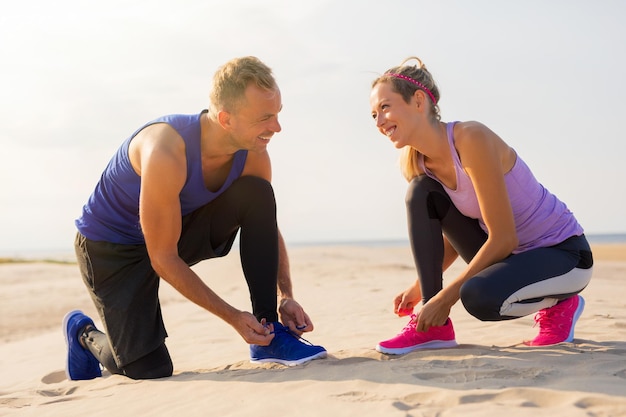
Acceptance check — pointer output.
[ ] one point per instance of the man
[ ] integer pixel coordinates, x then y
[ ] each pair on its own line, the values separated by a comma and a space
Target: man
175, 193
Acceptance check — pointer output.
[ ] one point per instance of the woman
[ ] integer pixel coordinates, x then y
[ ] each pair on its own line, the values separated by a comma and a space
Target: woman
470, 194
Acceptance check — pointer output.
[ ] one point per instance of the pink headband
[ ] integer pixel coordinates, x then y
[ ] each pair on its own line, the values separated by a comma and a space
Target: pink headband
417, 83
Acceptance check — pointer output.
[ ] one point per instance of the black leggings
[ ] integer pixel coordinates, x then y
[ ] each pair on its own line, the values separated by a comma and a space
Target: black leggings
248, 206
156, 364
518, 285
124, 287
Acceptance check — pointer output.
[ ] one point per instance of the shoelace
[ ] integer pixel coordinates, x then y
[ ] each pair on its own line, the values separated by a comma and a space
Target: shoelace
411, 325
287, 330
545, 320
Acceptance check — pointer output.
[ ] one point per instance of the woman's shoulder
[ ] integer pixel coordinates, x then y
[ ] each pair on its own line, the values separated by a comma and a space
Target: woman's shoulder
475, 138
470, 128
475, 132
472, 134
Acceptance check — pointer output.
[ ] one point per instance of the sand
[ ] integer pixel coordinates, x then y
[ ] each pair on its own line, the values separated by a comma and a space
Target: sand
347, 291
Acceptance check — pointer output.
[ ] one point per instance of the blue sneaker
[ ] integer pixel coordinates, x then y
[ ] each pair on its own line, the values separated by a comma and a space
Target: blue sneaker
286, 348
81, 364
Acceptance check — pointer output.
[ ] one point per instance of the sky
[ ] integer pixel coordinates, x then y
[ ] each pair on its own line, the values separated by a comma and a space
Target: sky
79, 77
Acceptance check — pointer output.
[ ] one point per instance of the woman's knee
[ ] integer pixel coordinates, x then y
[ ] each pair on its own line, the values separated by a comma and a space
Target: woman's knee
420, 188
477, 301
426, 197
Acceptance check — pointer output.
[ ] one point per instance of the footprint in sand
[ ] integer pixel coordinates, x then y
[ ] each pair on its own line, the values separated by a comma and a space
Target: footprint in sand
54, 377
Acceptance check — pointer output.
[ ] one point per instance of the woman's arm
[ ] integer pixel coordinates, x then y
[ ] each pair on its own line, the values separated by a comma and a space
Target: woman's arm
485, 158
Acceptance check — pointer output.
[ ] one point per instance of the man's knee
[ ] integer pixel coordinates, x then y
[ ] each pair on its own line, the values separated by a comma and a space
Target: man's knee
253, 183
157, 364
255, 190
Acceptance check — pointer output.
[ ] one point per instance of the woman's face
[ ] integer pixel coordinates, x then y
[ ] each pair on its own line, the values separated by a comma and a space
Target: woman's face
393, 116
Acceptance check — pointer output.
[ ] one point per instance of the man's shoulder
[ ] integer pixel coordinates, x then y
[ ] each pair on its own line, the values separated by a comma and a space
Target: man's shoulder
258, 164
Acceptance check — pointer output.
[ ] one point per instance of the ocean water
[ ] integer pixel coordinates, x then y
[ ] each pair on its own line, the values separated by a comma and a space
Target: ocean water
607, 238
592, 238
67, 254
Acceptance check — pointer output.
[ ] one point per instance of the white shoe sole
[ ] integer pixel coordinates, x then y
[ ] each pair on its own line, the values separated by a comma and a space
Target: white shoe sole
433, 344
296, 362
577, 314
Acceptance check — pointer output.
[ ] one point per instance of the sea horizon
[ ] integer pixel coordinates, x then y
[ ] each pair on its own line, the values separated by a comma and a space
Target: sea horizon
66, 254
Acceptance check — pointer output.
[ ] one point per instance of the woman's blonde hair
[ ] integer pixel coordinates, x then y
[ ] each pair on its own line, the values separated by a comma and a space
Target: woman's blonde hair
405, 80
231, 80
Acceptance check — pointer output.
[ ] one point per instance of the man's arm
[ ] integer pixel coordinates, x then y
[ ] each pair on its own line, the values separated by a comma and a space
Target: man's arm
158, 155
292, 314
284, 275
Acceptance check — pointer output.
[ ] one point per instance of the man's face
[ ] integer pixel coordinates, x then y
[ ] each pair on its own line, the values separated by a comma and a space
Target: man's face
256, 120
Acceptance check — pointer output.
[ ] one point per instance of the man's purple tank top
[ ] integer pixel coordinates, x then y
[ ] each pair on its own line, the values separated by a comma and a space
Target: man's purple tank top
541, 219
112, 211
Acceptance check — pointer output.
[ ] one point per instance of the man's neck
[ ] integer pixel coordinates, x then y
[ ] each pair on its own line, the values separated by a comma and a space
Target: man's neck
214, 139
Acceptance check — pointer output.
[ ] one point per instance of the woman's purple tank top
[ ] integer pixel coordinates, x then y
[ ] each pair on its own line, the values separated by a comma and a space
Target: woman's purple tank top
541, 219
112, 211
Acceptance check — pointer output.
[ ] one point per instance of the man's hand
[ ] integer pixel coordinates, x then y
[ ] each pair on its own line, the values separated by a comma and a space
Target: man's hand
293, 316
253, 332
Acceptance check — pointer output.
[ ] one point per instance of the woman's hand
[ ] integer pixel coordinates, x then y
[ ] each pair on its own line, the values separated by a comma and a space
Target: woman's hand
434, 313
405, 302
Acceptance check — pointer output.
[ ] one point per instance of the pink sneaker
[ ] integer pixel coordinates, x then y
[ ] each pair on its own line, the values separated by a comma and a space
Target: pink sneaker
410, 339
556, 324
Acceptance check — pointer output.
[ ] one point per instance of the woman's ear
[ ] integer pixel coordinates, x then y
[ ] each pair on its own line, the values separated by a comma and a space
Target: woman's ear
420, 98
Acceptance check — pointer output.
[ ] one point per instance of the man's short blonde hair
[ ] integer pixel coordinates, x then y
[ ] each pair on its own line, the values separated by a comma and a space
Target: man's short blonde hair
231, 80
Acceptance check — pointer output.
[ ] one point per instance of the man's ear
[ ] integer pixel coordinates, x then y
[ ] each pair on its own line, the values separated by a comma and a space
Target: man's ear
224, 119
